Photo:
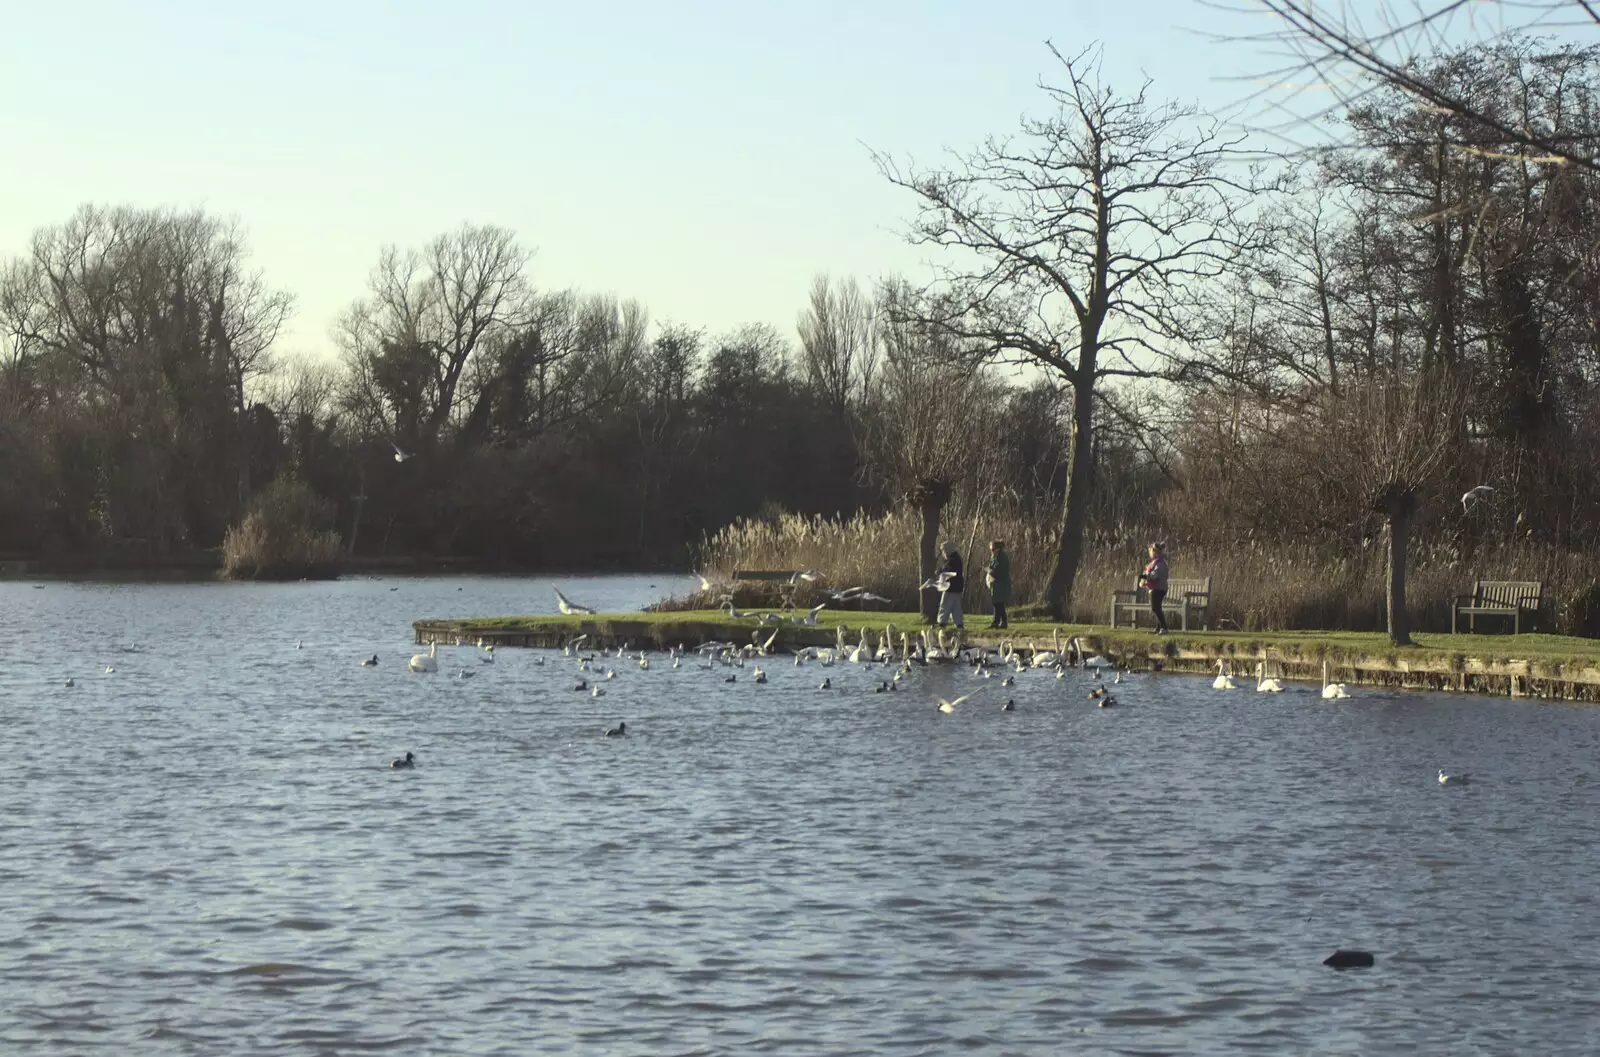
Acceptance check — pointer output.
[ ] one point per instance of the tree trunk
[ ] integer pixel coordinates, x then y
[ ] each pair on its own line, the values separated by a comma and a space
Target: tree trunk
928, 560
1075, 507
1399, 534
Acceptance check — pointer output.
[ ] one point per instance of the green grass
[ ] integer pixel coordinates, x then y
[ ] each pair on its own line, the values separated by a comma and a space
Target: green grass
1549, 653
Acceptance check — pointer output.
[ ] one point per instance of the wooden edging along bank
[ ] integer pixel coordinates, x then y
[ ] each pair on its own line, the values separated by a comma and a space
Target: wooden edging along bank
1419, 669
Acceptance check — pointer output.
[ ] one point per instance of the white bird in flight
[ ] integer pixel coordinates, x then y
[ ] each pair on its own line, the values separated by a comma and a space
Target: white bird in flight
1473, 496
950, 706
940, 582
399, 456
567, 605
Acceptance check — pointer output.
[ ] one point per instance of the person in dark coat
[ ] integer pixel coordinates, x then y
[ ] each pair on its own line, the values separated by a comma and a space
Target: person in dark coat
998, 577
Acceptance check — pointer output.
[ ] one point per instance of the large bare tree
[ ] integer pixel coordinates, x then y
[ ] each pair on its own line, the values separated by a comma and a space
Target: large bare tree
1082, 246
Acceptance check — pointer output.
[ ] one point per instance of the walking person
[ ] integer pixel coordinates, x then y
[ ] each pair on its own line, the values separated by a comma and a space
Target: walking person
998, 577
954, 583
1154, 578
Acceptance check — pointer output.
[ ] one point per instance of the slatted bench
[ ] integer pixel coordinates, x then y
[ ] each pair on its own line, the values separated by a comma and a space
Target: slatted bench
1186, 598
788, 580
1498, 598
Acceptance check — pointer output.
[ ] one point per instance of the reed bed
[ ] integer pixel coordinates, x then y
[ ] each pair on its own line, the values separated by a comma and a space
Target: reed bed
1256, 586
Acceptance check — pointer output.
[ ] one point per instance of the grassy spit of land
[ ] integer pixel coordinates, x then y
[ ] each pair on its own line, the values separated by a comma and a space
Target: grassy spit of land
1537, 665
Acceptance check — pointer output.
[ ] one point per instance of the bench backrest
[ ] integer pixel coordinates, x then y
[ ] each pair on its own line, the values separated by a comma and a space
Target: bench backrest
765, 574
1524, 594
1178, 586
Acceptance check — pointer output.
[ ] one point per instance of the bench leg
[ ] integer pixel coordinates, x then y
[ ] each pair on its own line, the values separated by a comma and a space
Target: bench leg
1452, 620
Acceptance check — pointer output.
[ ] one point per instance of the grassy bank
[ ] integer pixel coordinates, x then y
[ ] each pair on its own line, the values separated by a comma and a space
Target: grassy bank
1439, 657
1255, 586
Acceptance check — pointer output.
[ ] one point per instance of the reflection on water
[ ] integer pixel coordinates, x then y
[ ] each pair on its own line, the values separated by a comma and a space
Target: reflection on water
205, 851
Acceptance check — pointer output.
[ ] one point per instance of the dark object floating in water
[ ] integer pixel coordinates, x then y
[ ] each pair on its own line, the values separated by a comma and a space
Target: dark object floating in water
618, 731
409, 760
1349, 960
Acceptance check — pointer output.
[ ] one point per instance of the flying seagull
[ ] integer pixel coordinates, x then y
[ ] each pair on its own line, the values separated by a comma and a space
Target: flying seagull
568, 606
1473, 496
399, 456
940, 582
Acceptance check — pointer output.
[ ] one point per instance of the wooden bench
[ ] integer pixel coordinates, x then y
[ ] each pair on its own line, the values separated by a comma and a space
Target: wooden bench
788, 581
1185, 598
1498, 598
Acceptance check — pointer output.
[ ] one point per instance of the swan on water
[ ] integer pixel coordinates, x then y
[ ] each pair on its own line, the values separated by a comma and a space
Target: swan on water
1046, 658
1453, 779
426, 662
1265, 685
1331, 690
567, 605
1222, 682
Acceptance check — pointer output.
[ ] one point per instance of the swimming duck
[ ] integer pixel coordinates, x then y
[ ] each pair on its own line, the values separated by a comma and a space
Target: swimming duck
826, 684
1009, 706
370, 662
583, 684
1453, 779
69, 682
618, 731
408, 760
1108, 701
1097, 692
761, 676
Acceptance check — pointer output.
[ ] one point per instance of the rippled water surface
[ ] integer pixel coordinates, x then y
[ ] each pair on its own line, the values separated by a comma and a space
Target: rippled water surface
204, 851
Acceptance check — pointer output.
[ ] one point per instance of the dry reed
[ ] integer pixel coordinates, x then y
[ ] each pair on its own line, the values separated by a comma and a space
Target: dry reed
1256, 586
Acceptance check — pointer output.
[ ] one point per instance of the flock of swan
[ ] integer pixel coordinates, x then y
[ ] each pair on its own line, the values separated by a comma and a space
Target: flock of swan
1264, 685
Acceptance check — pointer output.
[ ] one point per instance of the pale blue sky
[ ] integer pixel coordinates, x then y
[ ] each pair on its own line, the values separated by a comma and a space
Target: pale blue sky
705, 157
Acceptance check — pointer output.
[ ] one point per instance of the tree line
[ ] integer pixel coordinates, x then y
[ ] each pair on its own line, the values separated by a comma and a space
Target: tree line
1139, 325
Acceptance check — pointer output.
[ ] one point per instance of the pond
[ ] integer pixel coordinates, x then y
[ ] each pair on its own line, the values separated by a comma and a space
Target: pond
204, 849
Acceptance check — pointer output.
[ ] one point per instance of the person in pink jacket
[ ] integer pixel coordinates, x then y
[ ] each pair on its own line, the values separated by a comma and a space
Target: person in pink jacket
1154, 577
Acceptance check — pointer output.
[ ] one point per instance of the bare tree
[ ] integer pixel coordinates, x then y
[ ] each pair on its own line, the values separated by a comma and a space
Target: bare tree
930, 422
428, 313
1382, 447
839, 342
1082, 248
1340, 49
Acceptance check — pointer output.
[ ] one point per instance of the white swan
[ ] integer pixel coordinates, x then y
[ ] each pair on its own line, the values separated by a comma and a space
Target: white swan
885, 652
1331, 690
861, 654
426, 662
1453, 779
1265, 685
1048, 657
568, 606
1222, 682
